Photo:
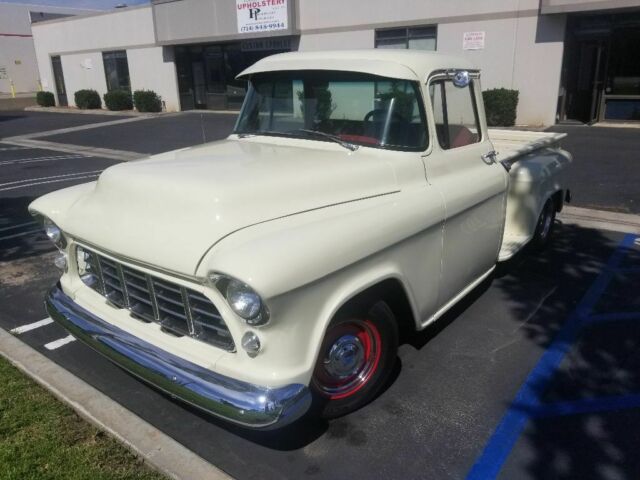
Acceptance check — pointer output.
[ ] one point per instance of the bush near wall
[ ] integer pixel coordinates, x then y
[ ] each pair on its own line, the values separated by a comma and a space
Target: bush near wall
118, 100
147, 101
46, 99
500, 105
87, 99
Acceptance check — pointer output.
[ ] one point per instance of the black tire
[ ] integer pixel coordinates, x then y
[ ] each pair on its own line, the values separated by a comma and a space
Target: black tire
544, 227
332, 400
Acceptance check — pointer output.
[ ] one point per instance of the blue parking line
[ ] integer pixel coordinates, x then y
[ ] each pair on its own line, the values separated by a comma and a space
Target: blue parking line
587, 405
527, 399
613, 317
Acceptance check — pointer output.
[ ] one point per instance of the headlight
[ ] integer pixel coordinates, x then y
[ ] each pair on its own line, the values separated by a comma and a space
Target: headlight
54, 233
242, 299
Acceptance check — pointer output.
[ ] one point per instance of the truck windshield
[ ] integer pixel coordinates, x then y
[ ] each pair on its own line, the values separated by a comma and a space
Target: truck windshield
348, 107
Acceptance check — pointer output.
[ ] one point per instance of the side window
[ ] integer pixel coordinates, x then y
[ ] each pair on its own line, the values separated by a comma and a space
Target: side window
455, 114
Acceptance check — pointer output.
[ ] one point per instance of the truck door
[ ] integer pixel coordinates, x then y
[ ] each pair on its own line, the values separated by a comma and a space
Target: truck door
473, 186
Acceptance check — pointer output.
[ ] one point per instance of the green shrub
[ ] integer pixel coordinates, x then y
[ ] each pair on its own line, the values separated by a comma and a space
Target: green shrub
118, 100
87, 99
500, 105
45, 99
147, 101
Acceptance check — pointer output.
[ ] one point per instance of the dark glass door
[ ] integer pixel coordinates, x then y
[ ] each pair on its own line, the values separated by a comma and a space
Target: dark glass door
59, 79
585, 79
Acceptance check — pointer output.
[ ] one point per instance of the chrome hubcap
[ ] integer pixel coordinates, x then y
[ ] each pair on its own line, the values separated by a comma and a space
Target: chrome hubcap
350, 355
345, 357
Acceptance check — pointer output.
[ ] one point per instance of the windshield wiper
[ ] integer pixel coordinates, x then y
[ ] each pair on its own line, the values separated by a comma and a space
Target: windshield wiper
335, 138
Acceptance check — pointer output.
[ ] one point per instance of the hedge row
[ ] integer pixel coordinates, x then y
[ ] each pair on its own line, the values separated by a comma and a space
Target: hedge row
142, 100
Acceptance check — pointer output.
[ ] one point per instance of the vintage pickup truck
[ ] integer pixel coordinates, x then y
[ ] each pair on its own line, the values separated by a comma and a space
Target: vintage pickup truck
359, 197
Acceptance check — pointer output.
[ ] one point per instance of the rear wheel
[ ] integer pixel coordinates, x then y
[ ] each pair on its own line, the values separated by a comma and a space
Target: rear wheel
356, 358
544, 228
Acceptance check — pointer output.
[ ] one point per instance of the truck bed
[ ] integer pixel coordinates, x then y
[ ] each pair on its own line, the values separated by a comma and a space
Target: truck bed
514, 143
526, 183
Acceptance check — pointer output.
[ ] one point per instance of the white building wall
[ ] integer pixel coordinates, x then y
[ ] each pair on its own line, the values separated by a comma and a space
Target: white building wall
81, 41
523, 50
338, 40
154, 69
82, 70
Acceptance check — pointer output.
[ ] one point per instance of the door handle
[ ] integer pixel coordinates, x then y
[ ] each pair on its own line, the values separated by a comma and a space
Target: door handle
489, 157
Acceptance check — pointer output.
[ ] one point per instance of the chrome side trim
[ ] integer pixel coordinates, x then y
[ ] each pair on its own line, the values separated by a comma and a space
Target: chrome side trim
239, 402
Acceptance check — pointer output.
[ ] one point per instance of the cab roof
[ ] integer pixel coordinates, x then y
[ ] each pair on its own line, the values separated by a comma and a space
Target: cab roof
412, 65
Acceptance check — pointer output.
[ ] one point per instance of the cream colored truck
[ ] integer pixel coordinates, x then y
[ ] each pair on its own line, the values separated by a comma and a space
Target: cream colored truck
359, 197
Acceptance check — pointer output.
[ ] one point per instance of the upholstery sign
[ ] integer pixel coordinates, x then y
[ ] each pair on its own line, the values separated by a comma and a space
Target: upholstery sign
255, 16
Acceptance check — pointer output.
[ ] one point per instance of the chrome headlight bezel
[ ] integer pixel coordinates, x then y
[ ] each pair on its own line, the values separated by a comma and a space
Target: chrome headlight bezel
53, 232
236, 292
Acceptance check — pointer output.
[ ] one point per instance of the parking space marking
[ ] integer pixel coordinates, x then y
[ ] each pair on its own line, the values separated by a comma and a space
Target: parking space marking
588, 405
18, 225
45, 180
31, 326
61, 342
528, 399
613, 317
20, 161
7, 149
21, 234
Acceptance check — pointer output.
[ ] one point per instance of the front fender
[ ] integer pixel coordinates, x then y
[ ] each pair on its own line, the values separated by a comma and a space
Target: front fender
307, 266
56, 204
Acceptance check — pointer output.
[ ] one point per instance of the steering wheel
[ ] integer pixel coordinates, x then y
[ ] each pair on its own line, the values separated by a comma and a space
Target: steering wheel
380, 111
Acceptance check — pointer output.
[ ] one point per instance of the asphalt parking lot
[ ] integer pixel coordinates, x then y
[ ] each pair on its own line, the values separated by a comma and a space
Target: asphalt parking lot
533, 375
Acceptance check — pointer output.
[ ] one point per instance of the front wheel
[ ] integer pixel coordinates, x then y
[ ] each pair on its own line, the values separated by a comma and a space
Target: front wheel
356, 358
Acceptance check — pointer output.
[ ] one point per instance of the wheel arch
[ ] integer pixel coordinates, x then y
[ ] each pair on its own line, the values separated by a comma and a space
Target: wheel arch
389, 289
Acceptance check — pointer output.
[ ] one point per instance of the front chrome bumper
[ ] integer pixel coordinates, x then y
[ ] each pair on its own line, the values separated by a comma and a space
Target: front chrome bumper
243, 403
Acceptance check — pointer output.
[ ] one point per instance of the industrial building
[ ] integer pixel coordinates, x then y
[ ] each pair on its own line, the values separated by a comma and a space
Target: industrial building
571, 60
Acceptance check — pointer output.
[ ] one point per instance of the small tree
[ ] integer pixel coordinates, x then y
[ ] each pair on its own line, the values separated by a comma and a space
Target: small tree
500, 105
147, 101
46, 99
87, 99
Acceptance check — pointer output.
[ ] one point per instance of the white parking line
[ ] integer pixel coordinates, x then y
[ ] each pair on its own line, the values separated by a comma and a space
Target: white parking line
31, 326
19, 161
59, 343
25, 180
21, 234
17, 225
6, 149
63, 178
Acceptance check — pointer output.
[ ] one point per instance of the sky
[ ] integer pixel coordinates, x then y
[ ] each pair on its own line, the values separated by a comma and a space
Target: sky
89, 4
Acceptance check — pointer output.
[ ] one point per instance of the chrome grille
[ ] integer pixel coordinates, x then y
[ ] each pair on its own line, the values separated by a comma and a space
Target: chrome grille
179, 310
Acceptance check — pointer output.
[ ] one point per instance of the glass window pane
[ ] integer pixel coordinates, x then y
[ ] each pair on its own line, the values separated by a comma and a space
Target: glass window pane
391, 43
455, 114
358, 108
422, 44
394, 33
116, 70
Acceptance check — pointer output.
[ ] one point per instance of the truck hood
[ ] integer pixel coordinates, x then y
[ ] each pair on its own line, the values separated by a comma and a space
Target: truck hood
168, 210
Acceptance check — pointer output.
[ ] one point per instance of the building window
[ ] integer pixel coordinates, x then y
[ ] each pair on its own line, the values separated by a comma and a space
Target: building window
116, 70
414, 38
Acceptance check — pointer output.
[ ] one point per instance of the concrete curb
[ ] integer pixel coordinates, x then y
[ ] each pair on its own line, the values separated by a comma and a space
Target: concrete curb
97, 111
158, 449
601, 219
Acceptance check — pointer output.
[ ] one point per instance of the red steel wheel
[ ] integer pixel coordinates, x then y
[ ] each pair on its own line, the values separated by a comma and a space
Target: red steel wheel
355, 360
351, 356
